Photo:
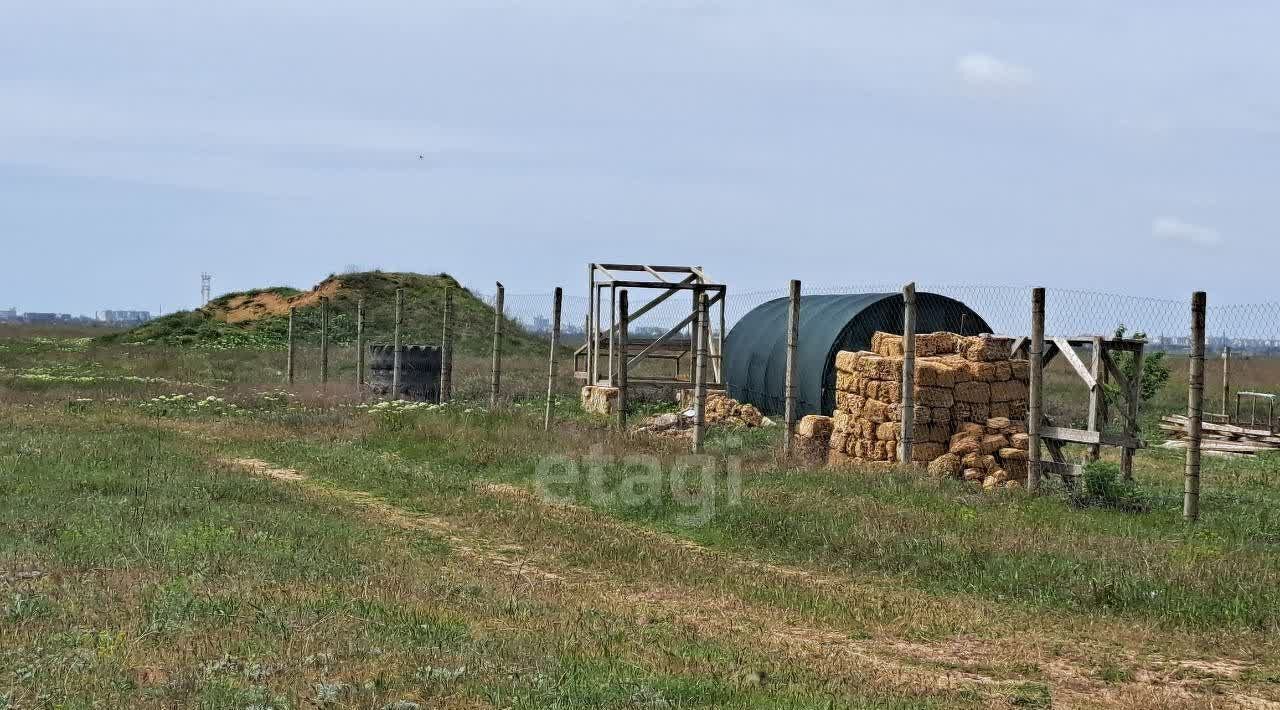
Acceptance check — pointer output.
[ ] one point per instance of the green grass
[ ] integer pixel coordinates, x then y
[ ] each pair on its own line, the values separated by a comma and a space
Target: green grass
396, 572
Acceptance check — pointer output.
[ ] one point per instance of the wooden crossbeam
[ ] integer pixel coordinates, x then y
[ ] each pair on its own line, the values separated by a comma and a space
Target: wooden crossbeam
684, 286
676, 329
1050, 352
643, 267
656, 275
1121, 379
1084, 436
1064, 346
1062, 468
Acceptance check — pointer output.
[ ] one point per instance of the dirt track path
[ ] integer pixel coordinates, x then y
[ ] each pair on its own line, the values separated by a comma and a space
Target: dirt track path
962, 665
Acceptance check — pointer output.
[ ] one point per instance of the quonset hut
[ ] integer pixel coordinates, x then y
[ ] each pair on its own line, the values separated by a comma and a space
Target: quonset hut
755, 351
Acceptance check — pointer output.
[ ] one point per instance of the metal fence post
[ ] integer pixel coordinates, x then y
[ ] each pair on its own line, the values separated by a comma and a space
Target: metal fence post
907, 435
556, 302
789, 382
496, 385
1195, 410
1035, 411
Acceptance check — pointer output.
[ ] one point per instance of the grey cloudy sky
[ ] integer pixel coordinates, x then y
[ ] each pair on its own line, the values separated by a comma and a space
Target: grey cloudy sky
144, 141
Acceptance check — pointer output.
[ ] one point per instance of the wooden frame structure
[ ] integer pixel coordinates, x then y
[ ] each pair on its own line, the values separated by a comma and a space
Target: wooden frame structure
1100, 370
604, 282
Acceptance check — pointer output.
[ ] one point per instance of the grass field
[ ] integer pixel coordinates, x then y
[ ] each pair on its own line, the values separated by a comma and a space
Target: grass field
240, 546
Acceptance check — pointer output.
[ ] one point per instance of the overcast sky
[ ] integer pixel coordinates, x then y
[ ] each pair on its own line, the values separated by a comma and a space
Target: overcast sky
1118, 146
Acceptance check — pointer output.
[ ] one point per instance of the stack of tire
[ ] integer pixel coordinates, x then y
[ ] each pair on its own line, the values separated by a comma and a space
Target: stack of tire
419, 372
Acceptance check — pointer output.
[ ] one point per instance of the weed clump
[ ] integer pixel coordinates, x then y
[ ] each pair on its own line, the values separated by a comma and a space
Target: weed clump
1105, 487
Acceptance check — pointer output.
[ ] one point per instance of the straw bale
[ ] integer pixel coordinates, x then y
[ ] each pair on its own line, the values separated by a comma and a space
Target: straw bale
973, 392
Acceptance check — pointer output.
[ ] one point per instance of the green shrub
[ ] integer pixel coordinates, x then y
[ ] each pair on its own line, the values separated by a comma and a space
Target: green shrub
1104, 487
1155, 373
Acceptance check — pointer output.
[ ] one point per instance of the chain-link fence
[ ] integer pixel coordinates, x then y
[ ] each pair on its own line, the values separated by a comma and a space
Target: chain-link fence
1247, 328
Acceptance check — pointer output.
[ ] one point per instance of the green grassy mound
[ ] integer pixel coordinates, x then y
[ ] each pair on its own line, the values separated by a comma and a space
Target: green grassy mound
259, 318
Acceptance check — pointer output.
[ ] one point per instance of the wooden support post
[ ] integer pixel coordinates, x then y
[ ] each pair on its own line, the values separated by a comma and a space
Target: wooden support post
595, 324
720, 378
556, 302
1035, 412
360, 347
789, 382
700, 371
1133, 404
591, 323
613, 328
446, 348
1097, 398
623, 315
495, 386
907, 435
289, 358
324, 341
1226, 380
1195, 410
395, 345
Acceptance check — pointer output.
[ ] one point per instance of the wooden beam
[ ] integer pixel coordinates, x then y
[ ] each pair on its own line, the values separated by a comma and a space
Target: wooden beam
681, 286
1066, 470
1122, 381
656, 275
1051, 351
644, 267
667, 335
1181, 421
1070, 354
1085, 436
1097, 398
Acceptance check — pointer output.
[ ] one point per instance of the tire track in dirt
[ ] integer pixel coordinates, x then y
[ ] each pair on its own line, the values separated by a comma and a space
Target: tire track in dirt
1073, 685
947, 666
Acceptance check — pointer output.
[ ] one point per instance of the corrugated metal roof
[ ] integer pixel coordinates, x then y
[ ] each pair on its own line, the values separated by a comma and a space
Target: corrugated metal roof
755, 357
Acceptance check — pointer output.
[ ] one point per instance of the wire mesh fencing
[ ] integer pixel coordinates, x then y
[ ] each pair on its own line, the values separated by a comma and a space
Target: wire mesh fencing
1247, 328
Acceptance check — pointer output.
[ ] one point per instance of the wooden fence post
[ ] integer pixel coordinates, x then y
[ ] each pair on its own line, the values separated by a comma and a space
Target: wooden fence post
1226, 381
624, 313
700, 371
1132, 406
592, 355
289, 358
395, 345
1097, 399
789, 381
360, 347
1195, 410
906, 438
1035, 412
446, 348
496, 386
324, 341
556, 302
